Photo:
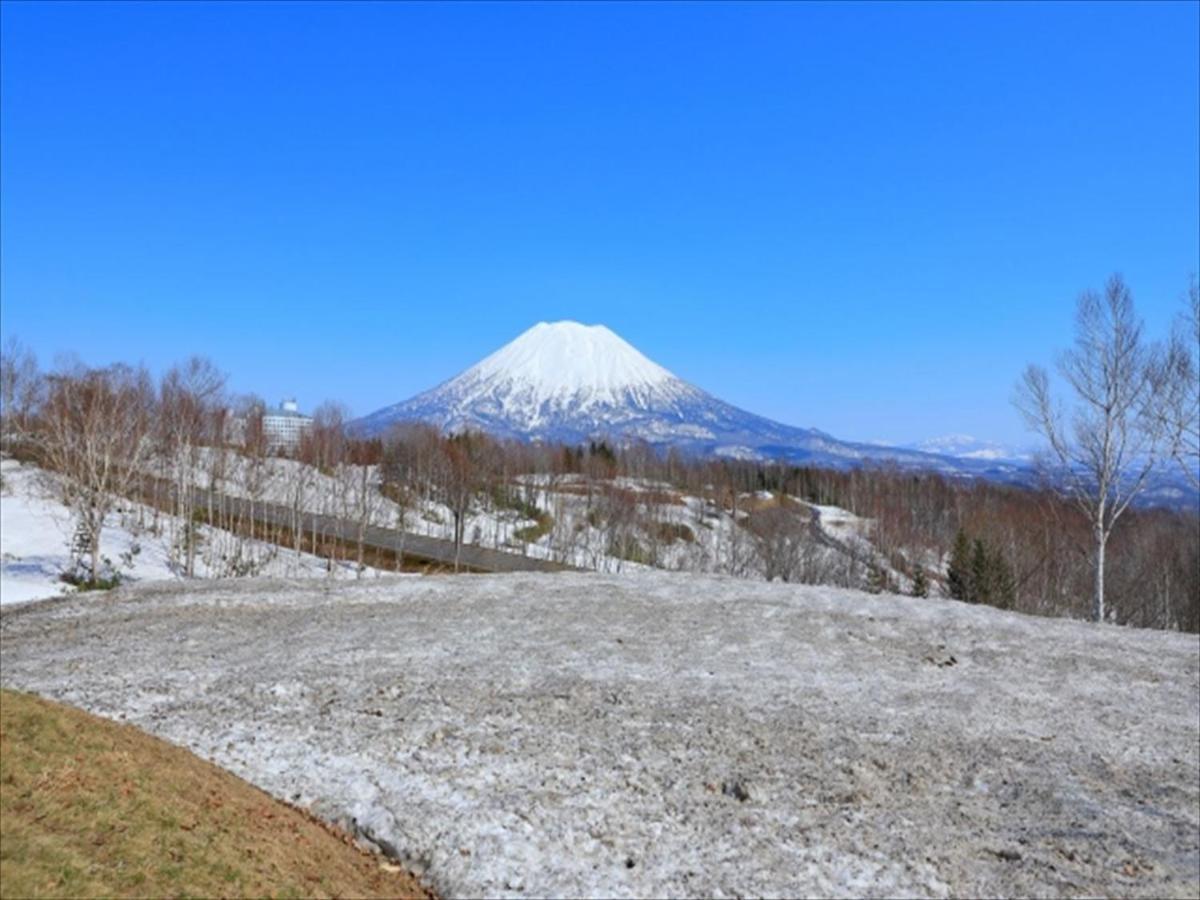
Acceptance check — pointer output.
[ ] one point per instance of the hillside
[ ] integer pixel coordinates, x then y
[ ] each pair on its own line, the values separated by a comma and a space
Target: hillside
36, 537
666, 735
91, 808
564, 522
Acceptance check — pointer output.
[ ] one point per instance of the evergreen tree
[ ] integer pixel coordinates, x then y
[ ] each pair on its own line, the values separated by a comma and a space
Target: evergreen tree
958, 575
981, 573
920, 584
877, 579
990, 577
1004, 587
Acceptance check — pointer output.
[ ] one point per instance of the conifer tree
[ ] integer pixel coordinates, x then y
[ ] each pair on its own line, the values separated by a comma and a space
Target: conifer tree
877, 579
1004, 588
988, 576
958, 575
920, 584
981, 573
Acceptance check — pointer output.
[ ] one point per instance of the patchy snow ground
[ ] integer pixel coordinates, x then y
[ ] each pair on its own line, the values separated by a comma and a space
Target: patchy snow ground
701, 537
34, 537
659, 734
36, 531
842, 524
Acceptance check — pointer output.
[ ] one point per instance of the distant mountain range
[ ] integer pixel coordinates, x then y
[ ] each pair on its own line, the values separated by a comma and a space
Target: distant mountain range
567, 382
964, 446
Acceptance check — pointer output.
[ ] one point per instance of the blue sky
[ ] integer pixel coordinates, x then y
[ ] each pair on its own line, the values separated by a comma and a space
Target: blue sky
861, 217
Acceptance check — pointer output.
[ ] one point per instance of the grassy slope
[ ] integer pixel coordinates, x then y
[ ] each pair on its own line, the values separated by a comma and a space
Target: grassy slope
94, 808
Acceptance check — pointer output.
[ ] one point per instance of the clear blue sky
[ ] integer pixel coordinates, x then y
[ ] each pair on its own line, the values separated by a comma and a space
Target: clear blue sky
861, 217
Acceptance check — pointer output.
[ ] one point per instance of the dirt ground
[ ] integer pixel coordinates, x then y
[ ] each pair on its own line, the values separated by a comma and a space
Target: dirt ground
658, 734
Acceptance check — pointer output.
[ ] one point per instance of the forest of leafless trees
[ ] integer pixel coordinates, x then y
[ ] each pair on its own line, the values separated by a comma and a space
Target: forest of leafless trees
195, 464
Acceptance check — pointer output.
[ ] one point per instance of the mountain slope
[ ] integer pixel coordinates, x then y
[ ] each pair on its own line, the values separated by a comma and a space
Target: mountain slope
569, 382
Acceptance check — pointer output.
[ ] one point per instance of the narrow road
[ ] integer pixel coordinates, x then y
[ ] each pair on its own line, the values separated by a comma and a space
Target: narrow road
413, 547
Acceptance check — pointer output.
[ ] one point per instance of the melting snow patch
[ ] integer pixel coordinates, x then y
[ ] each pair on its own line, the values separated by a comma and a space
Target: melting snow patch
664, 735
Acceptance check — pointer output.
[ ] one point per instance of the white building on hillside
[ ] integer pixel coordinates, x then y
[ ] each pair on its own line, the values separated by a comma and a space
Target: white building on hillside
284, 426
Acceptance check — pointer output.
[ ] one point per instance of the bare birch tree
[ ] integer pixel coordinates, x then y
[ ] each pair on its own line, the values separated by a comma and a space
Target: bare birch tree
1182, 380
1102, 456
96, 437
188, 397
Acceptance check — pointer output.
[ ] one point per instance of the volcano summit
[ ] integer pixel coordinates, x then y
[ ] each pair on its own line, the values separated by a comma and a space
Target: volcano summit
567, 382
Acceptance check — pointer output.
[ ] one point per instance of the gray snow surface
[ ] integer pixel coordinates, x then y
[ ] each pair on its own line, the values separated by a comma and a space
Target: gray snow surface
659, 734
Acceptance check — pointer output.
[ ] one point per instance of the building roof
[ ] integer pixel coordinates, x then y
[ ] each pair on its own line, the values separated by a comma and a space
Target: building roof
282, 413
287, 409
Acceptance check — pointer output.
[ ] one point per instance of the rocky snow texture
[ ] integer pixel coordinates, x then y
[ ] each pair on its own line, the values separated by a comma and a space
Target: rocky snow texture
664, 735
568, 382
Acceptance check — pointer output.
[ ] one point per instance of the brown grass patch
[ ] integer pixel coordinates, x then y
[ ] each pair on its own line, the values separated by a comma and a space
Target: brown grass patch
753, 503
638, 495
93, 808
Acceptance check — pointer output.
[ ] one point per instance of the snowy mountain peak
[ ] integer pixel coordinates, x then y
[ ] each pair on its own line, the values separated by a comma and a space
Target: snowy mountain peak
558, 380
568, 382
559, 360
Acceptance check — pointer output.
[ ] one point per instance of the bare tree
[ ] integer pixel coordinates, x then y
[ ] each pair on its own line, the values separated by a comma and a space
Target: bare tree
95, 432
325, 448
404, 475
462, 473
21, 388
190, 395
1102, 457
782, 537
361, 501
1182, 379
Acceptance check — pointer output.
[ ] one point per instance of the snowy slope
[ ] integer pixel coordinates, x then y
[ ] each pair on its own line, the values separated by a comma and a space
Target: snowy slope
569, 382
661, 735
36, 531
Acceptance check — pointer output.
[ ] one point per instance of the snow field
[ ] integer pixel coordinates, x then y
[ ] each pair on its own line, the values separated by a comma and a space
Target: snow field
655, 734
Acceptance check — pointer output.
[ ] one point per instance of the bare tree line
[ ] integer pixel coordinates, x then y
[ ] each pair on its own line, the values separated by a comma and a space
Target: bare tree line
110, 436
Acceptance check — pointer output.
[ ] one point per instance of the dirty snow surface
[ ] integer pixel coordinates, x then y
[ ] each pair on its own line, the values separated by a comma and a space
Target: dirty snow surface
658, 734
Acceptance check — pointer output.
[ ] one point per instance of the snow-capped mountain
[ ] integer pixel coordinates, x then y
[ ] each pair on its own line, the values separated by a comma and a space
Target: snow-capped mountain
568, 382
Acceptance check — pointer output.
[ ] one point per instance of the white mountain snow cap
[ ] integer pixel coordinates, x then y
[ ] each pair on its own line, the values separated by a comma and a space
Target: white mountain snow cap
558, 359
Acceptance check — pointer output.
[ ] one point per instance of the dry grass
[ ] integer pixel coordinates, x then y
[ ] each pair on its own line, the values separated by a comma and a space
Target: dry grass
93, 808
752, 503
648, 496
532, 533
